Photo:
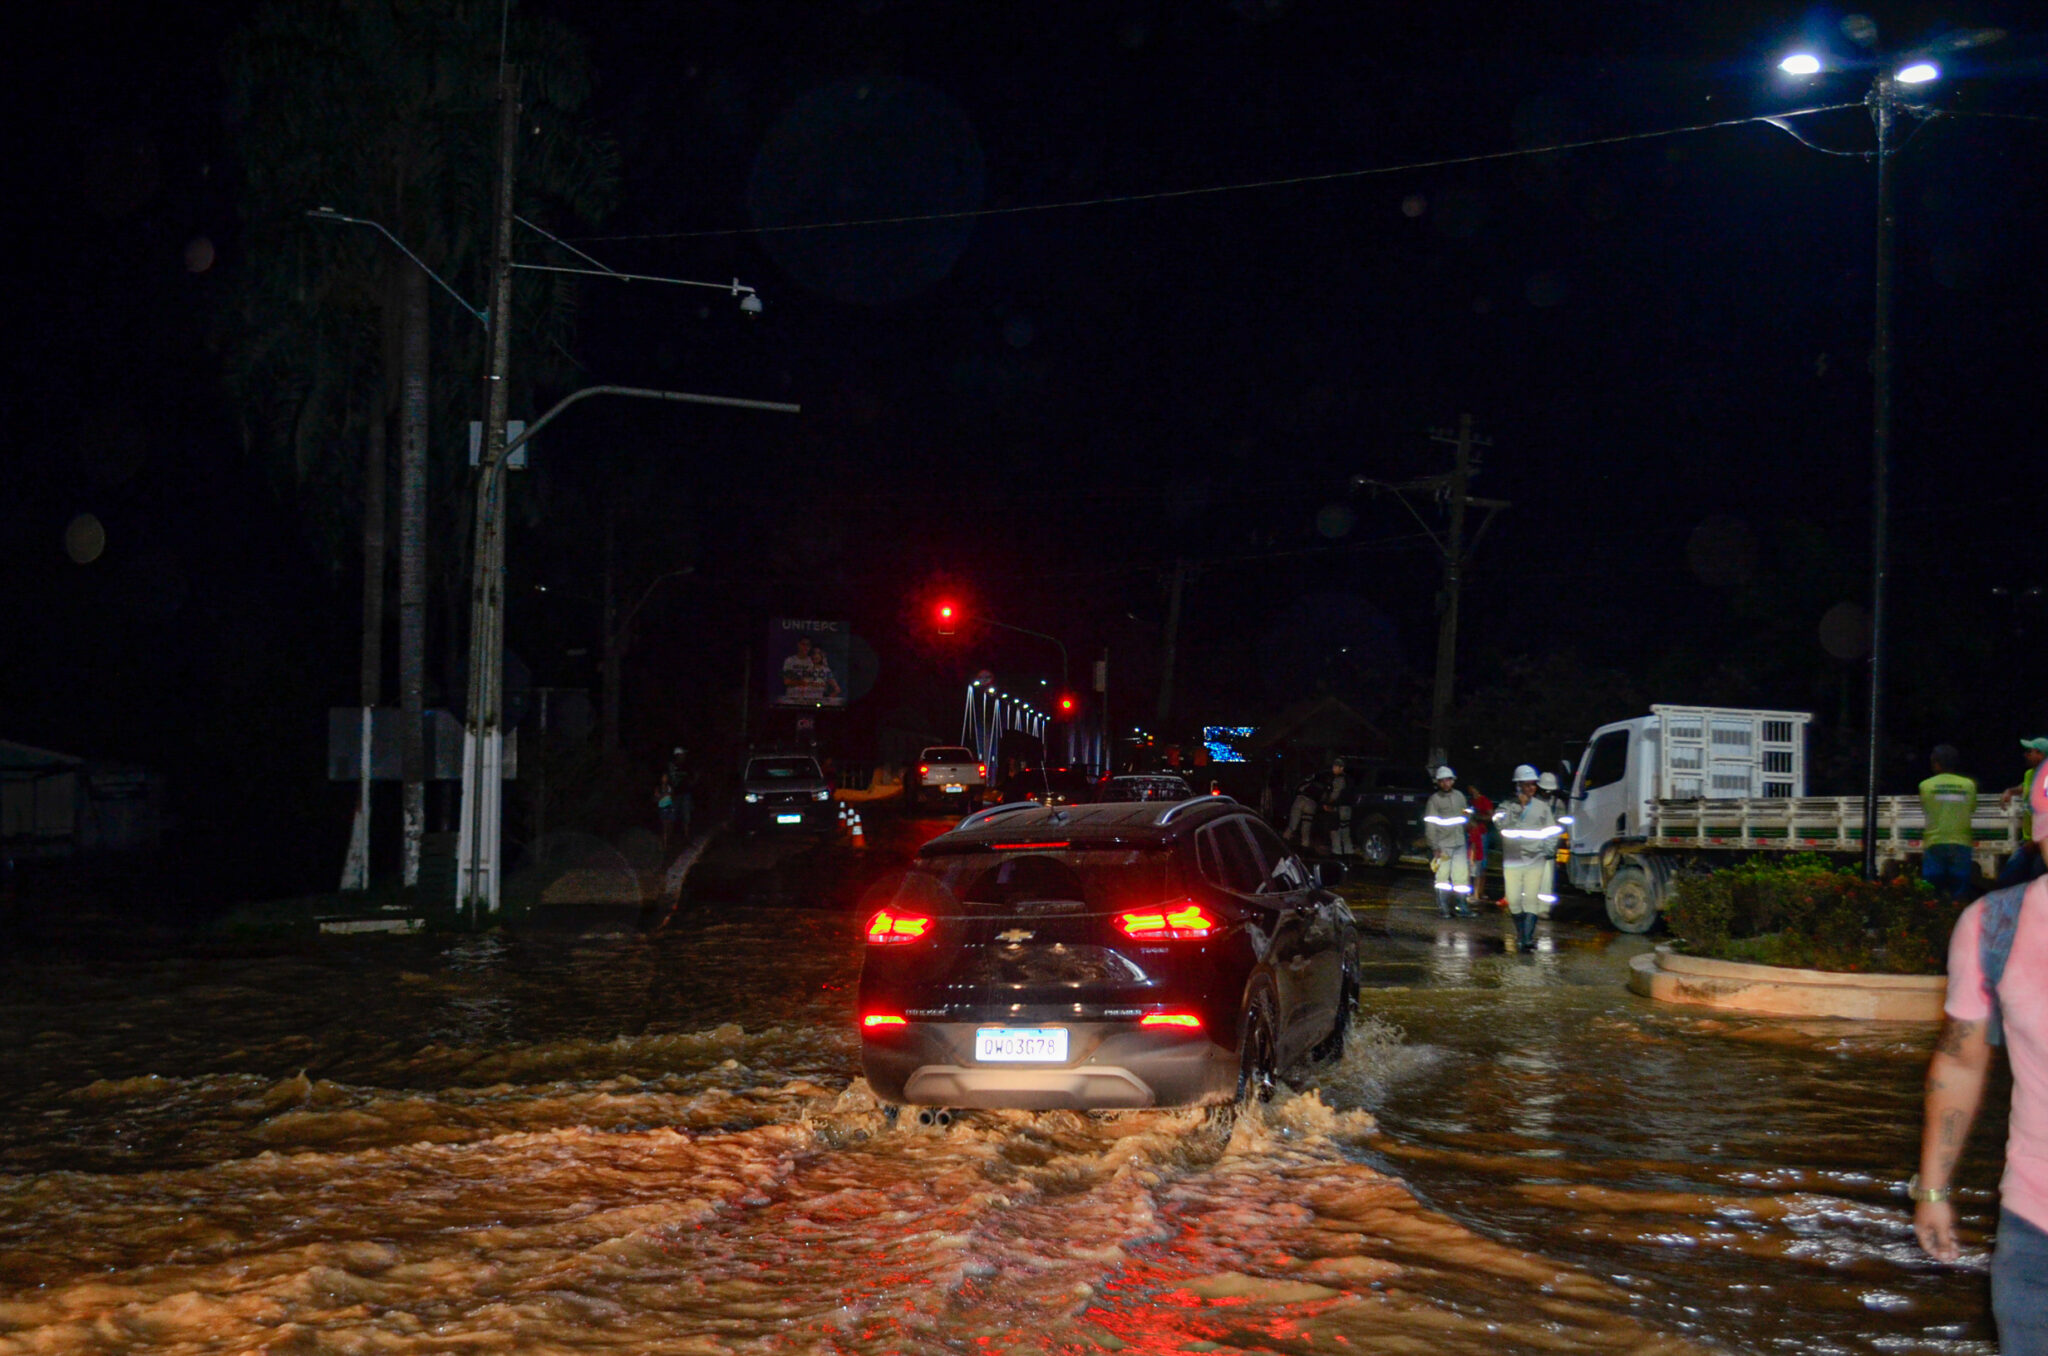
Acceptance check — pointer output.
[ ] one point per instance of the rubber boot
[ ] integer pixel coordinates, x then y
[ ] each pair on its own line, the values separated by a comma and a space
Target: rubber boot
1525, 928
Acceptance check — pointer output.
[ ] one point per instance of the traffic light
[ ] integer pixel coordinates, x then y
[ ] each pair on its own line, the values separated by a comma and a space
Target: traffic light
1067, 704
945, 615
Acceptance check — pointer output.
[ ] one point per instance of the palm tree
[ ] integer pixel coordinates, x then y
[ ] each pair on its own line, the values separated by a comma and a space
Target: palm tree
386, 110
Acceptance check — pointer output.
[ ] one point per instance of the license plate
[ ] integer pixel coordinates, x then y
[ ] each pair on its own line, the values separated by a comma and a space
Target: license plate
954, 788
1020, 1044
789, 819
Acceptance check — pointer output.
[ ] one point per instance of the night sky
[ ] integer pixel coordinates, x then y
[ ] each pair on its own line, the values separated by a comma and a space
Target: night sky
1080, 365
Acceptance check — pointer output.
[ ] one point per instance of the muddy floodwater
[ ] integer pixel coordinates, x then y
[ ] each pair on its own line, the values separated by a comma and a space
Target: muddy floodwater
592, 1138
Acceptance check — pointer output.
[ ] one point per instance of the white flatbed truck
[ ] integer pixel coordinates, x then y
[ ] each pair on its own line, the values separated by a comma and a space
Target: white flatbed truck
1691, 788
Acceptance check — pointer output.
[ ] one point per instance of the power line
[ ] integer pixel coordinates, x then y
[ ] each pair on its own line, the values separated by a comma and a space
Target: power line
1775, 119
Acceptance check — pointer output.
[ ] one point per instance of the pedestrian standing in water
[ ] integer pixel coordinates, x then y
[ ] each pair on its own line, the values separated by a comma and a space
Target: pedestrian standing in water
1301, 813
1446, 821
2025, 864
1475, 842
665, 807
1997, 987
1528, 837
1338, 799
1947, 801
1546, 894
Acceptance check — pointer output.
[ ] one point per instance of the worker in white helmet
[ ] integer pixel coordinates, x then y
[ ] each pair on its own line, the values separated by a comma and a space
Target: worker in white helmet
1444, 820
1547, 791
1528, 838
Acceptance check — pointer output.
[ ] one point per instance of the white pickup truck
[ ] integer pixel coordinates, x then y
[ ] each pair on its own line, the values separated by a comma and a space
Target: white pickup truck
946, 770
1689, 788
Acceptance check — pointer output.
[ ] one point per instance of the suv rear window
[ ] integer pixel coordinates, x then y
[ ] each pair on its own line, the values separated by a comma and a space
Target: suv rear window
948, 755
1103, 880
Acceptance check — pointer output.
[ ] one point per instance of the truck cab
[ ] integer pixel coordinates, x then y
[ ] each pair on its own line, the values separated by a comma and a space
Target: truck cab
1611, 794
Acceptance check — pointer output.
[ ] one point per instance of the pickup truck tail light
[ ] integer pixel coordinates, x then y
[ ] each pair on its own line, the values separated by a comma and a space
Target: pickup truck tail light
888, 928
923, 768
1186, 1020
875, 1020
981, 770
1181, 920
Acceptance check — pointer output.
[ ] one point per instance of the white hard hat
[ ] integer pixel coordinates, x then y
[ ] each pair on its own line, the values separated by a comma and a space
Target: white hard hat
1524, 773
1444, 772
1547, 782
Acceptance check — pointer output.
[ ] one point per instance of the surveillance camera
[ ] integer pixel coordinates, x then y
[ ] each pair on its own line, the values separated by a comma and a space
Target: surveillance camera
750, 304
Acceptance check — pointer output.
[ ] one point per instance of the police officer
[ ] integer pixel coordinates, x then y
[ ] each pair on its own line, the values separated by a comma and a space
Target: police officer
1528, 838
1444, 820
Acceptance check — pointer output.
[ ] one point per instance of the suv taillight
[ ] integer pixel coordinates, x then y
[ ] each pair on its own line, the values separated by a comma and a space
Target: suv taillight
895, 929
1182, 920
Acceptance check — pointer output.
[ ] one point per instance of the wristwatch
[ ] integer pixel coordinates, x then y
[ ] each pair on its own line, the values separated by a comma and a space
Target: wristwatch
1915, 1191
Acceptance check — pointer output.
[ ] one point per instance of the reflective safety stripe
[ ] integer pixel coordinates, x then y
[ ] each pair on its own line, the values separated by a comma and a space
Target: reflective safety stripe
1453, 889
1550, 832
1446, 821
1566, 820
1547, 899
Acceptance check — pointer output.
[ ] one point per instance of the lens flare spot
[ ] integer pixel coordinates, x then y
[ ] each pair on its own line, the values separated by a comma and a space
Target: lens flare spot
85, 539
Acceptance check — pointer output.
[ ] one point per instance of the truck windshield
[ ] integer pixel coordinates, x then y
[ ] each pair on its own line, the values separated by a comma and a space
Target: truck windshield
779, 769
1607, 759
949, 756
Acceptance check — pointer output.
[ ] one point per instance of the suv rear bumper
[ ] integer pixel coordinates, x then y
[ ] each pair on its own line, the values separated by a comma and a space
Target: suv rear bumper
1109, 1064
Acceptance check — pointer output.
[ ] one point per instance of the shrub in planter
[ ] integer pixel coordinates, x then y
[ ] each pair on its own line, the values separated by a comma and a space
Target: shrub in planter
1801, 911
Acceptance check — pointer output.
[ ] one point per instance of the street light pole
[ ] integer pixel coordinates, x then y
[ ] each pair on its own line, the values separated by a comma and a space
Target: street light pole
1883, 104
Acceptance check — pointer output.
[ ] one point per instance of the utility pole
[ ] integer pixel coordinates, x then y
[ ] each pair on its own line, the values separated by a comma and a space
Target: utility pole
1453, 490
483, 744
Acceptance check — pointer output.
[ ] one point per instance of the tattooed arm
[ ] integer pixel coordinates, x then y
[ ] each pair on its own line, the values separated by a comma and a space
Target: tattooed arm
1955, 1086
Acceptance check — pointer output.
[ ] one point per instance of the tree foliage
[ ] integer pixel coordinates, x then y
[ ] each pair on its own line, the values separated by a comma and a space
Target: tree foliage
387, 110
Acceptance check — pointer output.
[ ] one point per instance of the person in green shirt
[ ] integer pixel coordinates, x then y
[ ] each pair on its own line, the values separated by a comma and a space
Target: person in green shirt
1947, 799
2024, 864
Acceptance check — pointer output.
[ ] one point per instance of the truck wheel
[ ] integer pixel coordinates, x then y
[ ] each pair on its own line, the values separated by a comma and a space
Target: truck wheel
1633, 899
1376, 843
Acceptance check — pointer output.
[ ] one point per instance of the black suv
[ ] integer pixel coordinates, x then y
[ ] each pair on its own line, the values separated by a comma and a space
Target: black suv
1386, 810
1094, 956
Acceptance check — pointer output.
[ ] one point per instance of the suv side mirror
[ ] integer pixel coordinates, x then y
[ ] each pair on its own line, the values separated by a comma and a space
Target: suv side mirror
1330, 874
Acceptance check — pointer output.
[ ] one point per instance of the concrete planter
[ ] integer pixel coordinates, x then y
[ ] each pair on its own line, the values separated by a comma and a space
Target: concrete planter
1775, 990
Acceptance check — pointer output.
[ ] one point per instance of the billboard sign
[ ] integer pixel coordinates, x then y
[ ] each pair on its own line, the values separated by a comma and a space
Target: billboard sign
807, 662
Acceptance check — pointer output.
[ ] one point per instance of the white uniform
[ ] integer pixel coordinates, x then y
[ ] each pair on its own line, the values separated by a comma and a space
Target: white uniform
1528, 842
1444, 820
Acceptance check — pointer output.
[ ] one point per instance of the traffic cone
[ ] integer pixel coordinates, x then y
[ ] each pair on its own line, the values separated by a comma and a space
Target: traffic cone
860, 839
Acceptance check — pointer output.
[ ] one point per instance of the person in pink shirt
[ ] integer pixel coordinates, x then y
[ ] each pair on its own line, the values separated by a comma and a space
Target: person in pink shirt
1955, 1089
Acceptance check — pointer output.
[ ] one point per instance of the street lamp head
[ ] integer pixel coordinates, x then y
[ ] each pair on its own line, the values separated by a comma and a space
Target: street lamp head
750, 304
1800, 63
1919, 73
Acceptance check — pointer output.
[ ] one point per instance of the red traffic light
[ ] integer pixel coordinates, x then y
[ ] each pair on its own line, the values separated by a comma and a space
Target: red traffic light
945, 615
1066, 703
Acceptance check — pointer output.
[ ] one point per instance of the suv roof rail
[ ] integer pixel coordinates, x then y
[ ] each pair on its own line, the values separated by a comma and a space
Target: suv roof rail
1167, 818
984, 816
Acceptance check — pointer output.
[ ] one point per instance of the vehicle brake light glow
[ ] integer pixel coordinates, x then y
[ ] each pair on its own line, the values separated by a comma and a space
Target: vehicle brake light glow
981, 769
891, 929
875, 1019
1181, 921
1023, 847
923, 768
1186, 1019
